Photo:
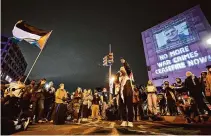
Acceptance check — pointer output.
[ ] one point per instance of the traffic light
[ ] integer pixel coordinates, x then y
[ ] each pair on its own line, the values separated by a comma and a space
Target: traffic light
105, 61
111, 58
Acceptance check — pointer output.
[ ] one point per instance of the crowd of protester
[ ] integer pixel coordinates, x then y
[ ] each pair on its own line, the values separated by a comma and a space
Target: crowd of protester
24, 104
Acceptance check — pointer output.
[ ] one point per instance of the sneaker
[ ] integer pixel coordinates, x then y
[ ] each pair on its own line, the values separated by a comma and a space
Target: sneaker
18, 127
83, 119
130, 124
124, 124
15, 123
26, 123
40, 121
79, 121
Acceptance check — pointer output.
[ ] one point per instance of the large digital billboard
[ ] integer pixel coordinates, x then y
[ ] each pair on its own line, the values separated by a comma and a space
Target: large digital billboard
176, 46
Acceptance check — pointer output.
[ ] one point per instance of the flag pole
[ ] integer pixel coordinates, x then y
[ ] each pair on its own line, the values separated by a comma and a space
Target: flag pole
36, 60
32, 66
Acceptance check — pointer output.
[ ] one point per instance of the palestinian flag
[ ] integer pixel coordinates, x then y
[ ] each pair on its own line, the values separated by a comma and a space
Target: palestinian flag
31, 34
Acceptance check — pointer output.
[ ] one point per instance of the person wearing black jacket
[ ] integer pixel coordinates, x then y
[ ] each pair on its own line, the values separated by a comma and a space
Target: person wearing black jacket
170, 96
192, 84
38, 99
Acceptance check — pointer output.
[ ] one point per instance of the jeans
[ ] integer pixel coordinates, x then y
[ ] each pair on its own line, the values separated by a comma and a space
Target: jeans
38, 105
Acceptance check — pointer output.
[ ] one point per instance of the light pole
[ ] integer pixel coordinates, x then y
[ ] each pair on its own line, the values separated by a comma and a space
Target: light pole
110, 86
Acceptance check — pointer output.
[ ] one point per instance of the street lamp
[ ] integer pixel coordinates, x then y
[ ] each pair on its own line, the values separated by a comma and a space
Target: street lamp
111, 83
112, 79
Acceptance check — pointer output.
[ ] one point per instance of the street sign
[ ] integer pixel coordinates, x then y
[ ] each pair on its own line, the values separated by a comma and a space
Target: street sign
105, 61
110, 58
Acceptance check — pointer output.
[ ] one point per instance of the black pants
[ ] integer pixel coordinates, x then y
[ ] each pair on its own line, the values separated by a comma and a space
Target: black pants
172, 106
127, 108
85, 111
141, 110
7, 126
200, 103
135, 107
60, 113
47, 104
51, 112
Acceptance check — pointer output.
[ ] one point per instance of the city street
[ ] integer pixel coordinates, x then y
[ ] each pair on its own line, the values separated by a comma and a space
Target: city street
113, 128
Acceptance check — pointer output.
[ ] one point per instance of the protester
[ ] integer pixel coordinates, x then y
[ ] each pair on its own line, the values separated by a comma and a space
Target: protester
126, 98
188, 108
25, 102
12, 97
171, 99
78, 102
180, 90
151, 98
208, 84
143, 99
135, 102
49, 101
95, 106
86, 104
202, 80
105, 99
193, 86
60, 105
38, 99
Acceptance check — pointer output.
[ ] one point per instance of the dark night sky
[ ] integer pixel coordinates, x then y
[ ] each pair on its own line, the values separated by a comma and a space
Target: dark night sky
82, 30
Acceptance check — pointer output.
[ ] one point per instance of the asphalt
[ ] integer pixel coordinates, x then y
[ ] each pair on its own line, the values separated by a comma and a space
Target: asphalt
114, 128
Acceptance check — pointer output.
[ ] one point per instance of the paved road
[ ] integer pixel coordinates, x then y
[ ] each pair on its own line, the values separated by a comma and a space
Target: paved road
113, 128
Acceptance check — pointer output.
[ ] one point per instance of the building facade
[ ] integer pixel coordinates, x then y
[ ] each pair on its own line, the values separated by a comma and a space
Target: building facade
13, 63
176, 46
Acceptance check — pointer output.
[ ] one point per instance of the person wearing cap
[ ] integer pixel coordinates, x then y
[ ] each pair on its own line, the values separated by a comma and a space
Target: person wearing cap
192, 85
60, 100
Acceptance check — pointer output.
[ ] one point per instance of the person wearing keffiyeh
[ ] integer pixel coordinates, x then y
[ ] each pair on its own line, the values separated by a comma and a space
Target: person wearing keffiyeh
126, 98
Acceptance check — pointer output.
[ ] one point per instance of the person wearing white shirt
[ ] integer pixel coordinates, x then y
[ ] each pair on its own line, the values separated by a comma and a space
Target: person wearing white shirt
151, 97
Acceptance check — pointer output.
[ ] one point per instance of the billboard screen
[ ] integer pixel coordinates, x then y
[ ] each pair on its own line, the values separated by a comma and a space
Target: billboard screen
176, 46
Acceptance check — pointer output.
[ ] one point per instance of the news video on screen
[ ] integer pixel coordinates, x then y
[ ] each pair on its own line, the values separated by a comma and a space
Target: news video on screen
174, 35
